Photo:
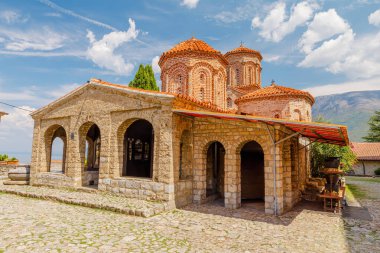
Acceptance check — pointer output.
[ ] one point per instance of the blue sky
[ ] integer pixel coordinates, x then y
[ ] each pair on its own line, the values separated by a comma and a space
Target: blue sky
47, 48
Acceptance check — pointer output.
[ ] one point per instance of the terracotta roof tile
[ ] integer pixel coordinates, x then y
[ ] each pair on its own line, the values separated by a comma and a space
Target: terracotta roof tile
275, 90
366, 150
191, 45
243, 49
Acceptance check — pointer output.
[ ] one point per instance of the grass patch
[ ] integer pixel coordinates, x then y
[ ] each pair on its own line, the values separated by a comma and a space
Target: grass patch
364, 179
353, 191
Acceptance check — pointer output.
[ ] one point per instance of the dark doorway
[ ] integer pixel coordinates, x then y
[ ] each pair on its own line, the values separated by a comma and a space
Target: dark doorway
252, 172
93, 148
138, 155
215, 170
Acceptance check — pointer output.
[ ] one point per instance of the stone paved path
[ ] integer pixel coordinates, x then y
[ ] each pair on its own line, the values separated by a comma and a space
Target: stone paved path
363, 235
97, 199
32, 225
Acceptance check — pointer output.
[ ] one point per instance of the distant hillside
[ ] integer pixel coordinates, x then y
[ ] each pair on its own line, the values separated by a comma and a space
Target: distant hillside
352, 109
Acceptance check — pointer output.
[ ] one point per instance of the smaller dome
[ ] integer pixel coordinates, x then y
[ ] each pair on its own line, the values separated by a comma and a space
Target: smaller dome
243, 49
275, 90
191, 45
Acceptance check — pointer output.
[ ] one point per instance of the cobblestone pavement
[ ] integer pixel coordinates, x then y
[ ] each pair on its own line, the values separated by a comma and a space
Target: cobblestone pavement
364, 235
32, 225
90, 198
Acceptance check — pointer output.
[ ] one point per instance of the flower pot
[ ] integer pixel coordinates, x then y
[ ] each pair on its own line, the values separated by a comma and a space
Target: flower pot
14, 162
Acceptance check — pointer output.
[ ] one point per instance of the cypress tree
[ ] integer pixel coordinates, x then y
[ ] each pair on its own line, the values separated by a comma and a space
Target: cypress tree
374, 128
144, 78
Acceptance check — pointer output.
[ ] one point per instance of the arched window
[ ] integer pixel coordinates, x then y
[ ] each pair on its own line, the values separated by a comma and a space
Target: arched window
57, 161
202, 78
297, 115
250, 74
202, 94
229, 102
237, 76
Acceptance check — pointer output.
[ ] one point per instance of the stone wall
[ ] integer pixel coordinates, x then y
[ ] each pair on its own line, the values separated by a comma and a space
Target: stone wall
4, 170
112, 110
370, 167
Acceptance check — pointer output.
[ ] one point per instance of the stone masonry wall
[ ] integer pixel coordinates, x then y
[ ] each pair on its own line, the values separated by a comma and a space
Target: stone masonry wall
112, 111
285, 108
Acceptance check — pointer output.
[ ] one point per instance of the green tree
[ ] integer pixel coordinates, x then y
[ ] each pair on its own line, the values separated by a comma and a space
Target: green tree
374, 128
320, 151
144, 78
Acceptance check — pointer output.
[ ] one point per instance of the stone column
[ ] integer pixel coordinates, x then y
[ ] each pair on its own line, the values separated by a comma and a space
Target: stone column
232, 180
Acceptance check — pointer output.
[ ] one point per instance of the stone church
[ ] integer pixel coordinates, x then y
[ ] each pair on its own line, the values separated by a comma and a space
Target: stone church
213, 132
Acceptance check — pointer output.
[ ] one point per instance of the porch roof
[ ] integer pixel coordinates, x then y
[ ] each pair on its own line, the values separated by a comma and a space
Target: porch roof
316, 132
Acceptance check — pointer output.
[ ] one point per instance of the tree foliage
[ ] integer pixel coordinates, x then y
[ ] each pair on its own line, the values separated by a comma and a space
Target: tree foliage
374, 128
320, 151
144, 78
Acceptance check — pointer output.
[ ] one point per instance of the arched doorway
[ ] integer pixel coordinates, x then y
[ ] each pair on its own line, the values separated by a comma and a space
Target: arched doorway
215, 170
252, 172
92, 156
138, 147
57, 162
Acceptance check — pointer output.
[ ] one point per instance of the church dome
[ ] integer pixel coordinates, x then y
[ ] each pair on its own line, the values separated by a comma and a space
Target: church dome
275, 90
242, 49
191, 45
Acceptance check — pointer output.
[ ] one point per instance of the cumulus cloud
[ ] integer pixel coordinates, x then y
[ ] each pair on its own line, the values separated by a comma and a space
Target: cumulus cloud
155, 66
10, 16
191, 4
102, 52
330, 43
276, 24
324, 26
374, 18
21, 40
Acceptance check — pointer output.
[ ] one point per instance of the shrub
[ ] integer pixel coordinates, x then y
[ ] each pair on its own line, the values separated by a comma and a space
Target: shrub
377, 172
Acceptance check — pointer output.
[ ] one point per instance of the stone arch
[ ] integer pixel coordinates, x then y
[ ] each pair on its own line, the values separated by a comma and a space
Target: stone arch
202, 77
53, 132
185, 155
90, 139
297, 115
136, 148
177, 79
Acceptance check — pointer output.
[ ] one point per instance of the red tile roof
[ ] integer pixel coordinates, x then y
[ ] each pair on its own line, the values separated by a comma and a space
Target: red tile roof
243, 49
275, 90
366, 150
191, 45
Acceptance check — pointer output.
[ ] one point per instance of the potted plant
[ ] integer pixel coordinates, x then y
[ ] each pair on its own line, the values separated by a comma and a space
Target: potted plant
3, 159
12, 161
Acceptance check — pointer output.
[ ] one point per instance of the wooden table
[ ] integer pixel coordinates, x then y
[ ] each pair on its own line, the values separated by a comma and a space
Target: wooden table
337, 198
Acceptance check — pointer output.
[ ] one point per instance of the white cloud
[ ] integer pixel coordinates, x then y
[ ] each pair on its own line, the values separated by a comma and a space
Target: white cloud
10, 17
155, 66
276, 25
20, 40
16, 132
191, 4
245, 10
102, 52
337, 88
340, 49
76, 15
271, 58
324, 26
374, 18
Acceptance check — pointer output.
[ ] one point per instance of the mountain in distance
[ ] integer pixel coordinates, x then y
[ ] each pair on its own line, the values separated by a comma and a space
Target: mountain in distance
352, 109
